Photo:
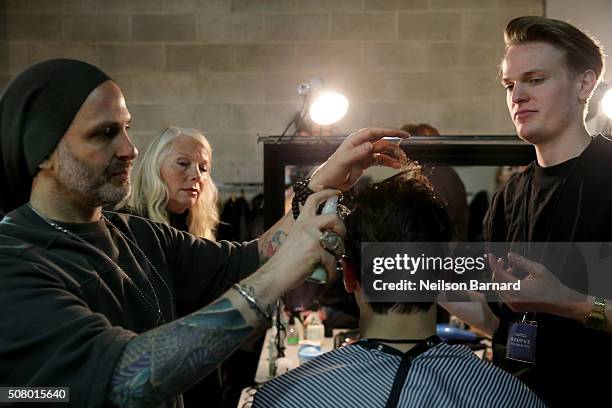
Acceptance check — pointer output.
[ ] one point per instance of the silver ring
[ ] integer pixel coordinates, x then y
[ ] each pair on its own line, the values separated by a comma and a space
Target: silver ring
377, 159
330, 241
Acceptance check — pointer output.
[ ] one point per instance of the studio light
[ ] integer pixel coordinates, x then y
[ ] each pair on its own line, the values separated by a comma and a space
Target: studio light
606, 103
328, 108
321, 106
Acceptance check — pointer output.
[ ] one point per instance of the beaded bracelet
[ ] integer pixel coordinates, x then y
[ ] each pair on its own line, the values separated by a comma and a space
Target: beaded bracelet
259, 311
301, 193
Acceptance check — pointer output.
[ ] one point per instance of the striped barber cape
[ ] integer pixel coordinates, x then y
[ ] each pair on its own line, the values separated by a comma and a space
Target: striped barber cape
357, 376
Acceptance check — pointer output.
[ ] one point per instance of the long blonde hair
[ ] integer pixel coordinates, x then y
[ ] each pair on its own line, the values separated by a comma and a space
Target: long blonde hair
150, 195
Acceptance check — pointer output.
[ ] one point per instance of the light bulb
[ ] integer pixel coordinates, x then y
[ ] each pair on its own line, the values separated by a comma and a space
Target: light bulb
606, 103
328, 108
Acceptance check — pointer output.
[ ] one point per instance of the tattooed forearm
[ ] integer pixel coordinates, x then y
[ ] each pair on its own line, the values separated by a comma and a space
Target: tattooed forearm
271, 245
162, 363
273, 238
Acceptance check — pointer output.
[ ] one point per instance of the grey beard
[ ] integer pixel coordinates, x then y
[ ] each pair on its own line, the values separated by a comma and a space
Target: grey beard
79, 177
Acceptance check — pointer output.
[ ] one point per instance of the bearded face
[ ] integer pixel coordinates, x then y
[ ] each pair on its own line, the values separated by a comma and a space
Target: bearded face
92, 163
99, 185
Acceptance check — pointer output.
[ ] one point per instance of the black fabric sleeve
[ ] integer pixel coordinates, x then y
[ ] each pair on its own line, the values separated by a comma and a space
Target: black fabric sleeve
54, 338
200, 270
207, 269
203, 270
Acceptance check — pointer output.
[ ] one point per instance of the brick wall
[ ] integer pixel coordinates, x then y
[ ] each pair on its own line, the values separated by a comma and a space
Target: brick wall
231, 67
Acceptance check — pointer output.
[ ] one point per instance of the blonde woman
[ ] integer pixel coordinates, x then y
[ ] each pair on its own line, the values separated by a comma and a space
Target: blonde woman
173, 183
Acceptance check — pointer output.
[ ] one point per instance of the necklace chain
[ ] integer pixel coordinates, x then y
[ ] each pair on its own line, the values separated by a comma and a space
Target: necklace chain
155, 308
153, 268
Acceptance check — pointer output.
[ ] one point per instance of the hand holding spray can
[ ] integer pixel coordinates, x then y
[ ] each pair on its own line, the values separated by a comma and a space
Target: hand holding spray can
329, 240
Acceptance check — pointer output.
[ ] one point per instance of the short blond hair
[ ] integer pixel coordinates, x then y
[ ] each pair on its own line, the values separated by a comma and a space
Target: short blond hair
582, 52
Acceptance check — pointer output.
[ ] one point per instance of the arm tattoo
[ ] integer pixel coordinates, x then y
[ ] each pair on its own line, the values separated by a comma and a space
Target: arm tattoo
162, 363
270, 247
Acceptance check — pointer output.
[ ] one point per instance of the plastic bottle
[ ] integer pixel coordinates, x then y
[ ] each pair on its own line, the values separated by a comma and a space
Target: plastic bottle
293, 337
315, 330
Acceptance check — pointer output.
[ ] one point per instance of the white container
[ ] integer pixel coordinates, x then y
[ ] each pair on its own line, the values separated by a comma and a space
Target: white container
315, 332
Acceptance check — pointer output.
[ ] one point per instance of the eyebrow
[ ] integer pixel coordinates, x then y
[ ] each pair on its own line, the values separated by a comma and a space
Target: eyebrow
181, 154
110, 123
525, 74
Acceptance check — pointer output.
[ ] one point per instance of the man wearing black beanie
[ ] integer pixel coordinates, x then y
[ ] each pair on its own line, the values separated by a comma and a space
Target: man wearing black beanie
88, 297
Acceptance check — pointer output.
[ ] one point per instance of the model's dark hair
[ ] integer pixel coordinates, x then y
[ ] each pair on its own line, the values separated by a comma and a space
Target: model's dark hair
582, 52
402, 208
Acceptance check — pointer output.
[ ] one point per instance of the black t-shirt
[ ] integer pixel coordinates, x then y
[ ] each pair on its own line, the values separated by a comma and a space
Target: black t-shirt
546, 185
179, 221
569, 202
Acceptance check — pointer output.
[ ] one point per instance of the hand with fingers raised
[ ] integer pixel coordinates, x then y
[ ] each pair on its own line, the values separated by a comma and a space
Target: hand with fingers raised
541, 290
358, 151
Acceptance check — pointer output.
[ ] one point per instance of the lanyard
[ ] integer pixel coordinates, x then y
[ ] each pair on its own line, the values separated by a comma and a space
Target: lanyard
421, 346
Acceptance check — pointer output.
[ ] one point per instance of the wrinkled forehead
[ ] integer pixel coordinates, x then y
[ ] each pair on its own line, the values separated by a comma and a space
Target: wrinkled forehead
190, 147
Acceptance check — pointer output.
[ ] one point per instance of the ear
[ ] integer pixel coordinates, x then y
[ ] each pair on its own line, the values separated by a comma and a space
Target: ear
586, 85
50, 161
46, 164
350, 275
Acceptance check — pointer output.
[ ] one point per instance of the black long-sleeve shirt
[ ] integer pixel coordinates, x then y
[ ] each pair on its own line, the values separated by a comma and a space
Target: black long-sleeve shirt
68, 311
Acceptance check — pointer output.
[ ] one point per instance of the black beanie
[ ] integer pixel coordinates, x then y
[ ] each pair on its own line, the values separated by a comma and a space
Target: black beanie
36, 109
